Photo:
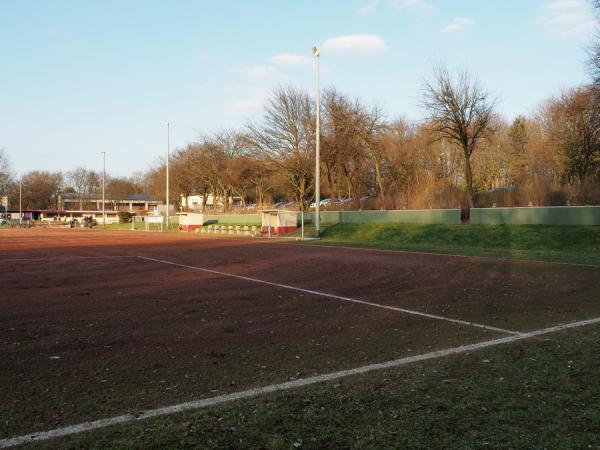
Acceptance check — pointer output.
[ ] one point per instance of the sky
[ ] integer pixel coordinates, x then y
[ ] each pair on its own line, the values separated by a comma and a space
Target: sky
78, 78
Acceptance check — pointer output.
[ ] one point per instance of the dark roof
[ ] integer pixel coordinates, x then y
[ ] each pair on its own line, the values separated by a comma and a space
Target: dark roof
139, 197
98, 196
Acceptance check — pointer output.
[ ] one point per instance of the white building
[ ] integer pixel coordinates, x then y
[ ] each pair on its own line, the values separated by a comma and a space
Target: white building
195, 202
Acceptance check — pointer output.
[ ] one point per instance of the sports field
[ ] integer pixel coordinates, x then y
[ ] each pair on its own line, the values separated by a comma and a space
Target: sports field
104, 333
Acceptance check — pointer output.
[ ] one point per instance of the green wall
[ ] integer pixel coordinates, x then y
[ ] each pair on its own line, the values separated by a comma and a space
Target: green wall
556, 215
442, 216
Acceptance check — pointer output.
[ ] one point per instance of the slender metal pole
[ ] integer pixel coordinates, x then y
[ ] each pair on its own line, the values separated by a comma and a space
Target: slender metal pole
317, 53
168, 152
103, 185
20, 201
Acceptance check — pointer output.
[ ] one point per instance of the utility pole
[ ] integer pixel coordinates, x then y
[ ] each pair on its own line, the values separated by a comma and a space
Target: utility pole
168, 124
103, 184
20, 201
317, 53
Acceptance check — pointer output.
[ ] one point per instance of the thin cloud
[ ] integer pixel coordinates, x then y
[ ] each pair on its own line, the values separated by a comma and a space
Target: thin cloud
289, 59
362, 44
567, 18
367, 8
421, 5
458, 24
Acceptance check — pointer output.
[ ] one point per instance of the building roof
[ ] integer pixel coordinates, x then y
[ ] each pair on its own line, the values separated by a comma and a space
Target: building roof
61, 211
98, 196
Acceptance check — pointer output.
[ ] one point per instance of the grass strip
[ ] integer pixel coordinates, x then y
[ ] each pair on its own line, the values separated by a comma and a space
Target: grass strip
572, 244
536, 394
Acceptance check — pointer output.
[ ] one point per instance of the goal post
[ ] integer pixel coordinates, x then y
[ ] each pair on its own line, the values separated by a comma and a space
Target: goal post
147, 223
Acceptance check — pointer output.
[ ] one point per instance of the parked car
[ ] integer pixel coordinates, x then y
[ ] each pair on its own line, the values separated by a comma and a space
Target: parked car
324, 202
343, 201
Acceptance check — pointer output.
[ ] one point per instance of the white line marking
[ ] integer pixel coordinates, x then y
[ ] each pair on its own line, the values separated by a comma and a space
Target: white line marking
338, 297
212, 401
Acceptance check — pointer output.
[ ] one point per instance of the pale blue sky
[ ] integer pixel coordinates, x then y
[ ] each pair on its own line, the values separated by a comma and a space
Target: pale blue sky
81, 77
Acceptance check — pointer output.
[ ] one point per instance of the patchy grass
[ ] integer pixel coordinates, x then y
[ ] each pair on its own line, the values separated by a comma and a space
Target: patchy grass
548, 243
114, 227
531, 394
139, 227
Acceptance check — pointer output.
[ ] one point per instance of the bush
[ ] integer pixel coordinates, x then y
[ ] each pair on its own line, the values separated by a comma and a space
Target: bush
125, 217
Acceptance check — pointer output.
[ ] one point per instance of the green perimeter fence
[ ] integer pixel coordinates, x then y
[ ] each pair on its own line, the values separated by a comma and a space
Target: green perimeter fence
443, 216
554, 215
428, 216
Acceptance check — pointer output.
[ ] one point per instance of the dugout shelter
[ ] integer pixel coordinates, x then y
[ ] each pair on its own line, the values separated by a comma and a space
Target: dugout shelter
190, 221
278, 222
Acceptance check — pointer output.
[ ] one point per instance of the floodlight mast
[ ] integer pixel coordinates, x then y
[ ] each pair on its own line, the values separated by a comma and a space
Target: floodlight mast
168, 124
317, 54
20, 200
103, 187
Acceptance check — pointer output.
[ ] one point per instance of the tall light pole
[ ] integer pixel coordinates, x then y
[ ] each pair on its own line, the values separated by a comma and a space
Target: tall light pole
317, 53
168, 124
103, 184
20, 200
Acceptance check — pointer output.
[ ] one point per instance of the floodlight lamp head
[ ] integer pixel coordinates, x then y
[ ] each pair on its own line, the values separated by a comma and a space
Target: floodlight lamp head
316, 51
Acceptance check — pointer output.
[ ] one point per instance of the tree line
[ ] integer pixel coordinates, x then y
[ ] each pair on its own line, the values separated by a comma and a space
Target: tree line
462, 154
42, 189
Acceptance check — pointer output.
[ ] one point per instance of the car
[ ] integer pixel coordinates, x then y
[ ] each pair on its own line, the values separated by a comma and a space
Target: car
343, 201
324, 202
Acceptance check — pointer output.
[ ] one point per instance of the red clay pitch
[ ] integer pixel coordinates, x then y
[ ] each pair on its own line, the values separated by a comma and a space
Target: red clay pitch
87, 334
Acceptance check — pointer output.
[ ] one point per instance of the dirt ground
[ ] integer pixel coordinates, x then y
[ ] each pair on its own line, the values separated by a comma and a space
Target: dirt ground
89, 329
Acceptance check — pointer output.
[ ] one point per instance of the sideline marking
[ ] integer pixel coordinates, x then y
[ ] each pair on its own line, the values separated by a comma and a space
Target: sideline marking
212, 401
337, 297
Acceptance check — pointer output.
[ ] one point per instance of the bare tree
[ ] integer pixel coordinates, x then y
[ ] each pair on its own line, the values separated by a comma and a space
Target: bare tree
286, 139
575, 130
119, 188
84, 182
6, 175
40, 189
350, 142
461, 112
594, 52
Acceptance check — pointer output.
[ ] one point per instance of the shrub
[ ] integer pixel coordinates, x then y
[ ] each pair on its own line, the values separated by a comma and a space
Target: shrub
125, 216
